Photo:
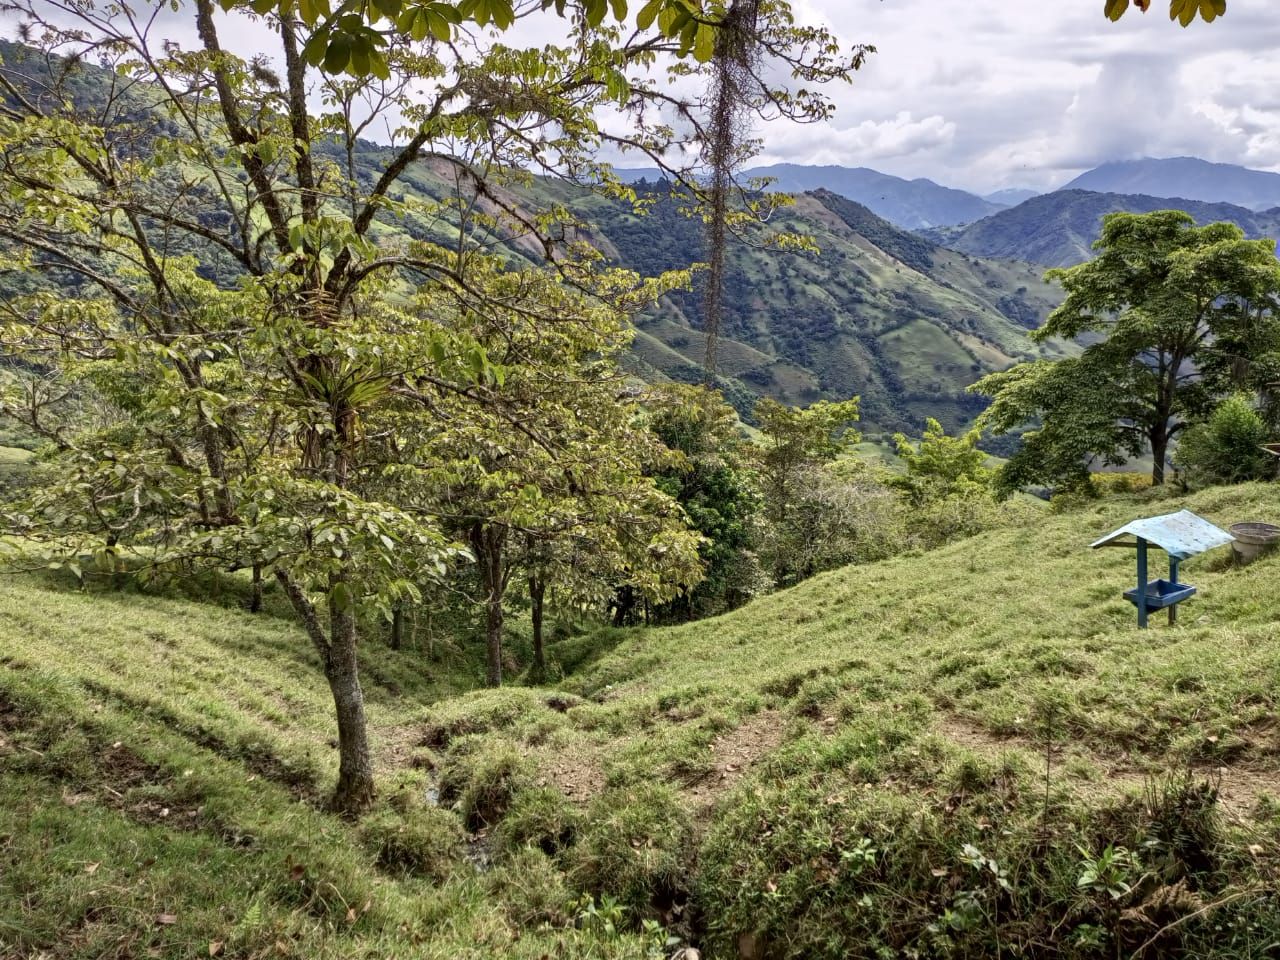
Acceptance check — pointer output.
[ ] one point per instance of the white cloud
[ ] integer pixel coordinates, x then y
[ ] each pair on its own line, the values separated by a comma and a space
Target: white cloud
984, 94
1033, 93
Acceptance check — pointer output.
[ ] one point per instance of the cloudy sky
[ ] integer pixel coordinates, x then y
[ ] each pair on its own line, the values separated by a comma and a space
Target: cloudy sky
984, 94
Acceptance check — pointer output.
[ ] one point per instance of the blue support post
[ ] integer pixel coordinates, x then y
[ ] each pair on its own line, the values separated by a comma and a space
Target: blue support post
1173, 579
1142, 583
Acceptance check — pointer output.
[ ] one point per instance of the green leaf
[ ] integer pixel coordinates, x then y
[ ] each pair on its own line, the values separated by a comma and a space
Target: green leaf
704, 47
338, 55
438, 26
1115, 8
648, 13
340, 596
361, 62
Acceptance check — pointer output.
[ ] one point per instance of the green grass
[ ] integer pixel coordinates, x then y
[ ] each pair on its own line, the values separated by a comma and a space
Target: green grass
854, 765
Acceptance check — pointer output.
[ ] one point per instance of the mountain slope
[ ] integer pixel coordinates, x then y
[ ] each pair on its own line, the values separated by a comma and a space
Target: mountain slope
1186, 178
1058, 229
878, 311
740, 781
911, 204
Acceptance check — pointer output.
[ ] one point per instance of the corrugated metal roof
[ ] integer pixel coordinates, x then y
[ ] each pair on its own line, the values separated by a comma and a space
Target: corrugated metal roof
1181, 534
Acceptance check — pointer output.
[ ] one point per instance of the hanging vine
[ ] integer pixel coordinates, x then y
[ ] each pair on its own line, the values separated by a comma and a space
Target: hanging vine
734, 66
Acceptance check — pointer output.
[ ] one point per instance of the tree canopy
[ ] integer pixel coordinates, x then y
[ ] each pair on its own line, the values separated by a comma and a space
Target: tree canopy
1175, 316
248, 345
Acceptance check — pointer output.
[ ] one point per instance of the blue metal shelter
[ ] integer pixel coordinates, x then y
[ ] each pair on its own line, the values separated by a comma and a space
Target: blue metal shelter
1181, 535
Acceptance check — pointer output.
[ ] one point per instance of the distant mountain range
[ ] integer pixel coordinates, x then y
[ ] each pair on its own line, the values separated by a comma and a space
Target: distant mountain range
1012, 196
1058, 229
922, 204
1184, 178
911, 204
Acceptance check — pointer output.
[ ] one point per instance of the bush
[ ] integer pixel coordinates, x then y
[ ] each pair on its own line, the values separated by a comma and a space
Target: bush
1104, 484
482, 782
542, 818
1227, 448
428, 842
635, 846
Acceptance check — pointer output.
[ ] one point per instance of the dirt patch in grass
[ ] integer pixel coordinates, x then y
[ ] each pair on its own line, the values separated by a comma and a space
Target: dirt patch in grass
1240, 785
139, 790
577, 774
965, 733
734, 753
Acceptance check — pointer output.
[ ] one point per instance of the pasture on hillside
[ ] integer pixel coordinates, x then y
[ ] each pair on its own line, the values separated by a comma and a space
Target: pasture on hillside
966, 752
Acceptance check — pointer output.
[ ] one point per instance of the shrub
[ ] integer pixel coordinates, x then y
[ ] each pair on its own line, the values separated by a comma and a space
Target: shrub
428, 842
482, 782
1104, 484
635, 846
1227, 448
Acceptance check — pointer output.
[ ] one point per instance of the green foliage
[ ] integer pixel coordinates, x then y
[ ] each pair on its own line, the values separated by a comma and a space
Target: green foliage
795, 443
797, 437
712, 481
1105, 484
1226, 449
1164, 296
635, 845
940, 466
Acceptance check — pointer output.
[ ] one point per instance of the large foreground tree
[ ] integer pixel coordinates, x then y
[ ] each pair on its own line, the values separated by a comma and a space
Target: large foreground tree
1174, 317
209, 314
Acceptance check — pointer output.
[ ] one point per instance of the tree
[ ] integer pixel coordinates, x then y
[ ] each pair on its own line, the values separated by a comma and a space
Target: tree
740, 46
216, 347
794, 441
940, 466
713, 483
1174, 309
1227, 448
549, 476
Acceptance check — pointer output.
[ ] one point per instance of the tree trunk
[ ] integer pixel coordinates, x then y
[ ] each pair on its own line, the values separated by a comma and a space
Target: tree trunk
623, 603
1159, 450
354, 791
255, 591
537, 590
397, 627
487, 541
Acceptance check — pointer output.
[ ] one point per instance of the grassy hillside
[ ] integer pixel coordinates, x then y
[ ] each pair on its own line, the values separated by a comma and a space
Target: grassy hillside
1058, 229
948, 754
